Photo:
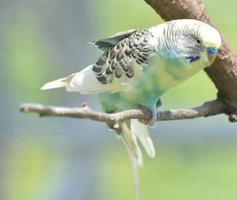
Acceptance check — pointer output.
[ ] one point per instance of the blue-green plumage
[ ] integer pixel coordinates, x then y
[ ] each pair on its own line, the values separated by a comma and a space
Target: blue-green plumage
147, 88
144, 91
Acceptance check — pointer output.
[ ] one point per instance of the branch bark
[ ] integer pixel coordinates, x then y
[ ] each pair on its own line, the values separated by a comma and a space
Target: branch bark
223, 72
207, 109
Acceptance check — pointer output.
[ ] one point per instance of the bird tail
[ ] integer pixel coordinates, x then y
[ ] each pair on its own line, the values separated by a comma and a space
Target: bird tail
84, 82
130, 131
59, 83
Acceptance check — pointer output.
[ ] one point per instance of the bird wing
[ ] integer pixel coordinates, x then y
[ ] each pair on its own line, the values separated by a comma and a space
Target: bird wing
108, 43
125, 55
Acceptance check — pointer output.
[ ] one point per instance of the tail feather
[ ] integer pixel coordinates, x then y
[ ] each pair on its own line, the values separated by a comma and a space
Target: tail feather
135, 173
130, 131
130, 142
62, 82
140, 130
134, 153
84, 82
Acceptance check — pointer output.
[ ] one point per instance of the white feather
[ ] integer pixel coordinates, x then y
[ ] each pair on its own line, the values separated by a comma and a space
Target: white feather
54, 84
140, 130
134, 152
131, 144
84, 82
62, 82
135, 173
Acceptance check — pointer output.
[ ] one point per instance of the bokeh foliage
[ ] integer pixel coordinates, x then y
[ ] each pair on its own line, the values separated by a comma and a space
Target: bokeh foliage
75, 159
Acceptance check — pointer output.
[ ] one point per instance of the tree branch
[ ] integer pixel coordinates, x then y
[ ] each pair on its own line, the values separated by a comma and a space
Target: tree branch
207, 109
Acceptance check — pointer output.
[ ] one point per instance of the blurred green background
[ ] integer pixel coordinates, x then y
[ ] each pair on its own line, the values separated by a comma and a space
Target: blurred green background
60, 159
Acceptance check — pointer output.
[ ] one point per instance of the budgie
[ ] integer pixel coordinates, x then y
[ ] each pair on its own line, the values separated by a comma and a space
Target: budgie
137, 67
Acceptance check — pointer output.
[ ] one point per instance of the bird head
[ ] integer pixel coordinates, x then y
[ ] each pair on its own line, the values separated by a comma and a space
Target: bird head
194, 40
210, 40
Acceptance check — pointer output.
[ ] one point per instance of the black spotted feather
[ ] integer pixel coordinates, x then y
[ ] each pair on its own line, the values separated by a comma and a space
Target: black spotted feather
122, 53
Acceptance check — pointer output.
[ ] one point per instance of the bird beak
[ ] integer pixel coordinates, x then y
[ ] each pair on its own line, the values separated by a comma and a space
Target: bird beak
211, 52
211, 58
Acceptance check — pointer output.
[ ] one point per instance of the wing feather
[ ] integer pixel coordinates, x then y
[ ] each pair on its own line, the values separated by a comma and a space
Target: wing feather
108, 43
127, 54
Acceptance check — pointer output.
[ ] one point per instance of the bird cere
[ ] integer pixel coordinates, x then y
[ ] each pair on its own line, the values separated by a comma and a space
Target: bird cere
137, 67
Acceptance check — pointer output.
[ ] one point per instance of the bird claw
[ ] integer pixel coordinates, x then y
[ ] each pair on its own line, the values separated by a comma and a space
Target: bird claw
158, 103
148, 121
113, 126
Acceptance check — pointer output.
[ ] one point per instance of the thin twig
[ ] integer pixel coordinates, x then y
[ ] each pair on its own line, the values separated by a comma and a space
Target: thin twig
207, 109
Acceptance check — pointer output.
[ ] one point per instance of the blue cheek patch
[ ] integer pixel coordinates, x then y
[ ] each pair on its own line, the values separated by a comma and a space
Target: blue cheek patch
212, 51
192, 58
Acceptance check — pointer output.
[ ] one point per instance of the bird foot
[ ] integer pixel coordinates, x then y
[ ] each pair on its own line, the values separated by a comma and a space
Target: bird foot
113, 126
148, 121
158, 103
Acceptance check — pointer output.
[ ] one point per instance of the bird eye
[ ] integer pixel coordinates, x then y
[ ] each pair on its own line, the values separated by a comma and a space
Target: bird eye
198, 41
